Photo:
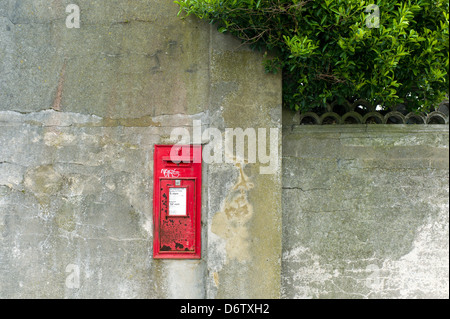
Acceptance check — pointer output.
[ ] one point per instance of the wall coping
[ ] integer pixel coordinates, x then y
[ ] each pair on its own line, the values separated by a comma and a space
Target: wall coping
369, 128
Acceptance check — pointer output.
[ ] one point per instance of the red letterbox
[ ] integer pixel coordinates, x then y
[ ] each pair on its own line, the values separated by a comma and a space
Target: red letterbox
177, 201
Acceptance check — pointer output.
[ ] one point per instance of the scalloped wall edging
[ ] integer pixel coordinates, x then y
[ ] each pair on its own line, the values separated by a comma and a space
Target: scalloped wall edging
352, 117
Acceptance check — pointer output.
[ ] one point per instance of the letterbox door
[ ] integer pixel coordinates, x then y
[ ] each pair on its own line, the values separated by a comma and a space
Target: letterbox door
177, 215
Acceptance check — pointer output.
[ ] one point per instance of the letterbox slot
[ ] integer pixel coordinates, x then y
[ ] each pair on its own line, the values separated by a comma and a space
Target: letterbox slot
177, 161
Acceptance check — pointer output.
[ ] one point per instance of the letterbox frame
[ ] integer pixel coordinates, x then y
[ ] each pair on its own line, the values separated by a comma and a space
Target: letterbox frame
189, 169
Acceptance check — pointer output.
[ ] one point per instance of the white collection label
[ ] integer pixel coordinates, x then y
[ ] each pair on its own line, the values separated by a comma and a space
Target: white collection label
177, 201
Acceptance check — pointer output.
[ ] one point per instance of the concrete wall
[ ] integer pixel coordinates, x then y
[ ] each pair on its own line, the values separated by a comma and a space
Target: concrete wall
361, 211
365, 211
80, 112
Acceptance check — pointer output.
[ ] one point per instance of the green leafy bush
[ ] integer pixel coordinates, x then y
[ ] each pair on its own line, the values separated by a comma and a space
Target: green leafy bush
387, 53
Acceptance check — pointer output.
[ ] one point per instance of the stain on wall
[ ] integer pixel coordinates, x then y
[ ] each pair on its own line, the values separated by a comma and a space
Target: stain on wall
231, 222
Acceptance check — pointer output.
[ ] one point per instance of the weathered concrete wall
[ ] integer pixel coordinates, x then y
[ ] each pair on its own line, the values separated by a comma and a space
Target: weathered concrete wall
245, 224
365, 208
365, 211
80, 112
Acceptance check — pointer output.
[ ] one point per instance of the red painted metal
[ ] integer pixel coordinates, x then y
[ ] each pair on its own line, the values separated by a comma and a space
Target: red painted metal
177, 201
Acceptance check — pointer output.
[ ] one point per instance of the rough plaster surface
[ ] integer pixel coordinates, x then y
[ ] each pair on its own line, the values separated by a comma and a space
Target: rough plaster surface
80, 112
365, 212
